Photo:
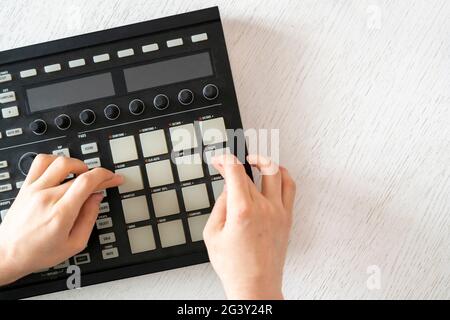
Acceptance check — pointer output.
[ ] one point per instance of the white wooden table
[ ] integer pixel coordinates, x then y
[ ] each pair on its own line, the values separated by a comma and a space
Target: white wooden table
361, 93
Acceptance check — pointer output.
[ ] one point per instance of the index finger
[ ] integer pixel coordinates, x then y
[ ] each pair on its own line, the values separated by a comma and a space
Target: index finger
235, 177
83, 187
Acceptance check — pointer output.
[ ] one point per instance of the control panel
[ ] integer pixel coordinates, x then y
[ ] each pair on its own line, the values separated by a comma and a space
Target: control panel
154, 102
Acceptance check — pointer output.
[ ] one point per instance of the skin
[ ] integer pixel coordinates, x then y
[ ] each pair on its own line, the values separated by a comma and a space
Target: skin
246, 235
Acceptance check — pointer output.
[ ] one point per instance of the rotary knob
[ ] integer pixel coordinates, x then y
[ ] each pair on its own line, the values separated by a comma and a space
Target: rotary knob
112, 112
63, 122
87, 117
161, 102
39, 127
136, 107
186, 97
210, 91
25, 162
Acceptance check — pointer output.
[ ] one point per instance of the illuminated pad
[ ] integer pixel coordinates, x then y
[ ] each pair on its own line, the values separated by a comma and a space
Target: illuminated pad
195, 197
171, 233
141, 239
135, 209
153, 143
132, 179
165, 203
159, 173
213, 131
189, 167
213, 153
196, 225
123, 149
217, 188
183, 137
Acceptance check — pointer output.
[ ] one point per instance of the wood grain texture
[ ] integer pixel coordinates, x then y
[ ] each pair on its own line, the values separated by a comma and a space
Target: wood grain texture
361, 93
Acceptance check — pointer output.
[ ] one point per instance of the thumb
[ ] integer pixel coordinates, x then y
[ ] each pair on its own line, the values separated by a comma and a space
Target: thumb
82, 228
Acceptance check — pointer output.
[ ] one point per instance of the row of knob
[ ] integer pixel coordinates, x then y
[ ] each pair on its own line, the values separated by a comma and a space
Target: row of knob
112, 111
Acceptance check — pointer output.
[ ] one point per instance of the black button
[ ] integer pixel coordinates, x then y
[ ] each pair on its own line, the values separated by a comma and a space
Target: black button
136, 107
186, 97
161, 102
25, 162
63, 122
38, 127
87, 117
210, 91
112, 112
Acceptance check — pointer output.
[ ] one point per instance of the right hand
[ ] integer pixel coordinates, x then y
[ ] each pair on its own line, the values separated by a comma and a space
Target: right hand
248, 230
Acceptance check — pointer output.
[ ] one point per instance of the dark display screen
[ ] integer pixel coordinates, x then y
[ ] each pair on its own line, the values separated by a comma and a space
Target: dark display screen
70, 92
168, 71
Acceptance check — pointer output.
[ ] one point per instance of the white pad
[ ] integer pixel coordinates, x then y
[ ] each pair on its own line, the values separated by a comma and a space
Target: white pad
189, 167
133, 179
195, 197
153, 143
171, 233
183, 137
123, 149
159, 173
196, 226
217, 187
135, 209
214, 153
213, 131
141, 239
165, 203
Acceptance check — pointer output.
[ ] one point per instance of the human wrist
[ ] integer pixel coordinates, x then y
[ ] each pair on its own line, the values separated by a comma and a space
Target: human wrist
255, 290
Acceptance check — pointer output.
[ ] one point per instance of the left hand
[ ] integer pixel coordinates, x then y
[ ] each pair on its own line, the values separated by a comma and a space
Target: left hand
49, 220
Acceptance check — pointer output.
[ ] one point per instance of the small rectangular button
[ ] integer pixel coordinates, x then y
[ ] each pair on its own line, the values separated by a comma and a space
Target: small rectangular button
135, 209
62, 152
82, 259
7, 97
93, 163
174, 42
123, 149
77, 63
10, 112
104, 223
89, 148
132, 179
125, 53
141, 239
199, 37
107, 238
4, 175
5, 78
101, 58
104, 207
5, 187
150, 47
3, 164
28, 73
52, 68
14, 132
110, 253
19, 184
171, 233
